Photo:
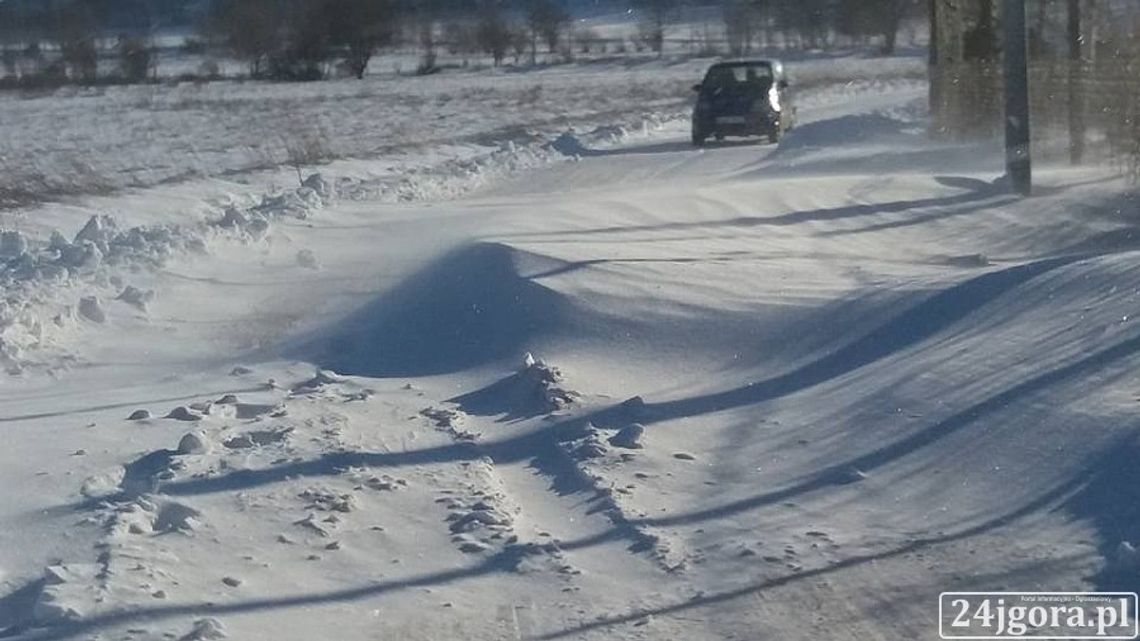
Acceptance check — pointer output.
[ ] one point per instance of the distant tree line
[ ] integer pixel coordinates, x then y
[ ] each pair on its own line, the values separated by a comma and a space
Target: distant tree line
50, 42
53, 41
815, 24
305, 39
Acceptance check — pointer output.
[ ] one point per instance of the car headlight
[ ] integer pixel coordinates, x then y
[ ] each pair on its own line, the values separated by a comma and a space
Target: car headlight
774, 98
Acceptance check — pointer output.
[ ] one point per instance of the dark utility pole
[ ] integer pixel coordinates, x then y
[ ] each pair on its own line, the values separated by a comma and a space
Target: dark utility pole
1017, 158
933, 69
1076, 97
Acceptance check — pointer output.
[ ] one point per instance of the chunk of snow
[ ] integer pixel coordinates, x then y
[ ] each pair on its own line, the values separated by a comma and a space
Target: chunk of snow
1126, 557
175, 517
629, 436
568, 144
206, 630
319, 185
92, 309
182, 413
139, 298
193, 443
96, 231
307, 259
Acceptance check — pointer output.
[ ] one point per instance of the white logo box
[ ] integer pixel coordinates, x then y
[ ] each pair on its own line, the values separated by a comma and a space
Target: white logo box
1134, 622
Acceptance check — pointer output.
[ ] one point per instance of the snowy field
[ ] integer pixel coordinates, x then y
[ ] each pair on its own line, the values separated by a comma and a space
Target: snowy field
541, 384
76, 141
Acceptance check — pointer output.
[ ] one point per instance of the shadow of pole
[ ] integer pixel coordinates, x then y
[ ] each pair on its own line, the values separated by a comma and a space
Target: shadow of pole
1053, 496
908, 328
504, 561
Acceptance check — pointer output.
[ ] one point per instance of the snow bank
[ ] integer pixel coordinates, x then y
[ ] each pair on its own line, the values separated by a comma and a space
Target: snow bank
49, 284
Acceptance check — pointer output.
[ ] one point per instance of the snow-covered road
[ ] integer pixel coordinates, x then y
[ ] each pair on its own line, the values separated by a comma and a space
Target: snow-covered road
786, 393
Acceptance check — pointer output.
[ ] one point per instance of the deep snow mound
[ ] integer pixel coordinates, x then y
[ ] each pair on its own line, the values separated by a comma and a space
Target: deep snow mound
880, 141
469, 308
845, 130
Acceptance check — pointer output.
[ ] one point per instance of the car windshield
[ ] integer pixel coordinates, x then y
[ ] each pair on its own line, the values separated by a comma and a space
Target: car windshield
738, 76
569, 320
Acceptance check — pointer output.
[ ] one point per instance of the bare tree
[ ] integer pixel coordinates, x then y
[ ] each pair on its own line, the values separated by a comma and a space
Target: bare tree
306, 44
493, 33
361, 27
546, 20
136, 59
520, 42
741, 19
75, 34
810, 21
250, 29
881, 18
655, 15
9, 58
422, 18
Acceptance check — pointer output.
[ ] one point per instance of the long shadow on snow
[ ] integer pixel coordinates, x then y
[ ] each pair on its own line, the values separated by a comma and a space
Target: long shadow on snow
997, 186
16, 608
567, 478
993, 194
132, 403
507, 560
1111, 501
908, 328
1044, 501
468, 309
839, 473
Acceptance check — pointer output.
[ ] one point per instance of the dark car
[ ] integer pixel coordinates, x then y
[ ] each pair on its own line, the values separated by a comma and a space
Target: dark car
745, 98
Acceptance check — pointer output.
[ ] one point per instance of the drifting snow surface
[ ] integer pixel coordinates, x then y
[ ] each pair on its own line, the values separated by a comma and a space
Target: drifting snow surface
862, 375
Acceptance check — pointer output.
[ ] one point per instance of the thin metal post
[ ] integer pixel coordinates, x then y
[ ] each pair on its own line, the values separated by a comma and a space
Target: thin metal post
1017, 153
933, 68
1076, 97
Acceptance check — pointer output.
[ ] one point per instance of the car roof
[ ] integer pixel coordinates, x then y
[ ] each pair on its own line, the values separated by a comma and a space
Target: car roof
748, 63
776, 66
